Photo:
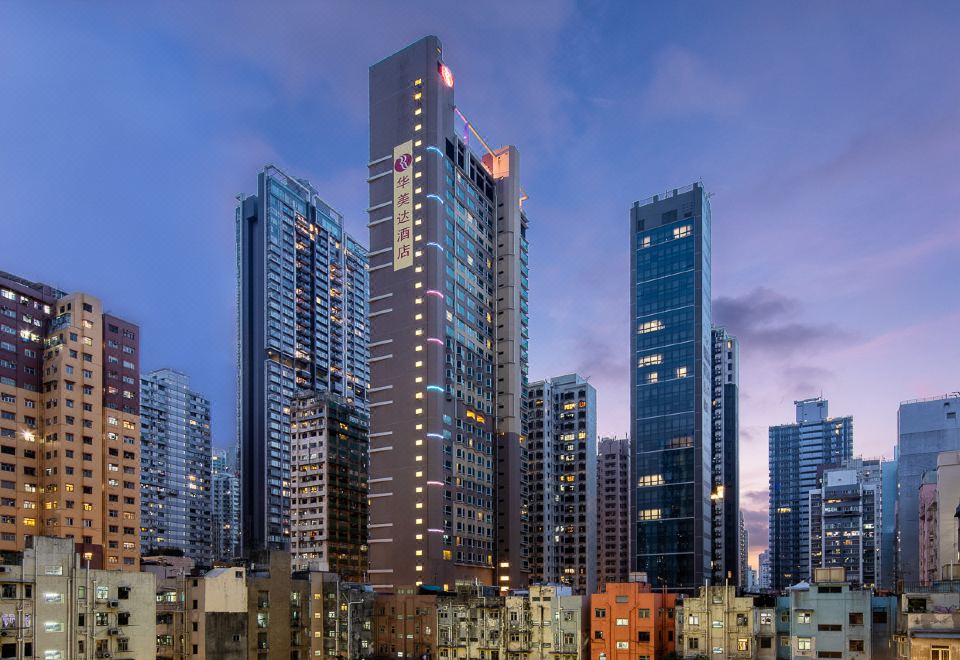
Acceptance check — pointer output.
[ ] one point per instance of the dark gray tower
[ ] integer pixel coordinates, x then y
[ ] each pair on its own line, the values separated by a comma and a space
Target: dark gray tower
671, 385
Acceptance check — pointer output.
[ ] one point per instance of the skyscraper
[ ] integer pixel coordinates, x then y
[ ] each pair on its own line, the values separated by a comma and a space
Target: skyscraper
796, 451
845, 521
225, 496
303, 326
613, 510
329, 512
764, 579
69, 423
671, 386
175, 508
926, 427
562, 473
449, 335
725, 464
743, 553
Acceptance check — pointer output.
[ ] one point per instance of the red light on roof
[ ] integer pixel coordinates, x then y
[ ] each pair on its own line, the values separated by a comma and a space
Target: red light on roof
446, 74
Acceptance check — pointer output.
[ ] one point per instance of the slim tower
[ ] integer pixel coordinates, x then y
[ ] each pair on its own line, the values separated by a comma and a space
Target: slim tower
725, 465
613, 510
175, 467
449, 336
671, 385
302, 302
562, 474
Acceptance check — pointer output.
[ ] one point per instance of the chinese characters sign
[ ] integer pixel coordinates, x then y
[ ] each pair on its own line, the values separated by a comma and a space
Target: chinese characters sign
403, 205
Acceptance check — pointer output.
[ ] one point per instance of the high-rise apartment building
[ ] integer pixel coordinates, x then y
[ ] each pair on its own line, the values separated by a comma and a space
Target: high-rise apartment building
69, 423
671, 386
613, 510
449, 336
225, 507
303, 326
764, 580
926, 427
743, 550
725, 461
562, 474
329, 461
888, 536
175, 502
796, 452
845, 521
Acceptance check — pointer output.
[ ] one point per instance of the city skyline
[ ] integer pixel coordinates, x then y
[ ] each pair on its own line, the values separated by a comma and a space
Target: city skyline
861, 316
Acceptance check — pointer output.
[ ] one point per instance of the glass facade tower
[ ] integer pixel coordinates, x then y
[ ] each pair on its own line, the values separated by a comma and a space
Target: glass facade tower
303, 326
175, 466
797, 452
671, 384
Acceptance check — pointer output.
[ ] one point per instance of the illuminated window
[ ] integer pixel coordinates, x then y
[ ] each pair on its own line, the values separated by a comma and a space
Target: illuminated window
646, 242
647, 360
650, 480
652, 377
649, 514
804, 644
682, 232
650, 326
681, 372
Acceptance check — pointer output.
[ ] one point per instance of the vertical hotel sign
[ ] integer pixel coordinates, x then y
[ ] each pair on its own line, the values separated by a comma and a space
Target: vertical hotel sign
403, 205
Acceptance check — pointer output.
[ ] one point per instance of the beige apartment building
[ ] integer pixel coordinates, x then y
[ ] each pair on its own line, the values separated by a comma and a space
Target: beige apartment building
69, 423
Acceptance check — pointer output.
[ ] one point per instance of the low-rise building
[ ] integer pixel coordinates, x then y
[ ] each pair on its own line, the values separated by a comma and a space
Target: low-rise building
765, 627
831, 619
928, 623
469, 622
217, 614
171, 572
405, 624
557, 623
339, 616
276, 608
716, 622
629, 620
55, 607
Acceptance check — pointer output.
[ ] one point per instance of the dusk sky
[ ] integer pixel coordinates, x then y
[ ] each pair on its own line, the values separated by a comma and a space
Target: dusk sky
829, 134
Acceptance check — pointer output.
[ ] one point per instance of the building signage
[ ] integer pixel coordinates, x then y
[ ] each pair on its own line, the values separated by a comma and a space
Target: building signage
403, 205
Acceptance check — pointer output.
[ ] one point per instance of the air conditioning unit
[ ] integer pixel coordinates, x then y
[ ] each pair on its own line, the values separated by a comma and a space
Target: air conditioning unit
114, 603
113, 631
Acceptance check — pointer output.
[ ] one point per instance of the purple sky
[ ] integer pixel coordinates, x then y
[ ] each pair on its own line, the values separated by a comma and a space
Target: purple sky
829, 133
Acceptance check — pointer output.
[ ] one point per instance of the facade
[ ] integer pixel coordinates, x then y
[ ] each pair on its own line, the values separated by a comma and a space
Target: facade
830, 619
340, 616
172, 576
925, 428
469, 622
888, 536
765, 627
613, 510
225, 505
405, 624
716, 622
53, 606
846, 512
69, 422
939, 521
557, 621
175, 502
928, 623
217, 611
743, 553
796, 452
302, 326
277, 609
562, 473
727, 522
671, 385
629, 620
329, 460
449, 297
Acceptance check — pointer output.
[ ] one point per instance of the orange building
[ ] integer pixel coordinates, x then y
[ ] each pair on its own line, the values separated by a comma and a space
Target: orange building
69, 424
629, 621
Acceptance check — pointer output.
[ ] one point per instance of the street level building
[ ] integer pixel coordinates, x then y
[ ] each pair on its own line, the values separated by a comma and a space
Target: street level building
716, 623
175, 504
562, 453
670, 388
449, 336
302, 326
69, 423
629, 620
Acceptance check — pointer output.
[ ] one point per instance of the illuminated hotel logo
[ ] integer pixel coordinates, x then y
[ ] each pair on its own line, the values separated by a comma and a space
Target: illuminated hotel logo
402, 205
446, 74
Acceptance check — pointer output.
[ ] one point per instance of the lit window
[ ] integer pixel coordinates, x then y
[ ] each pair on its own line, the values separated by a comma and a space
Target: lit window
650, 326
682, 232
681, 372
648, 360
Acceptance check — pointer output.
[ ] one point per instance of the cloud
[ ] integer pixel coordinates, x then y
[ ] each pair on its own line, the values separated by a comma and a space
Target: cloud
684, 84
761, 321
